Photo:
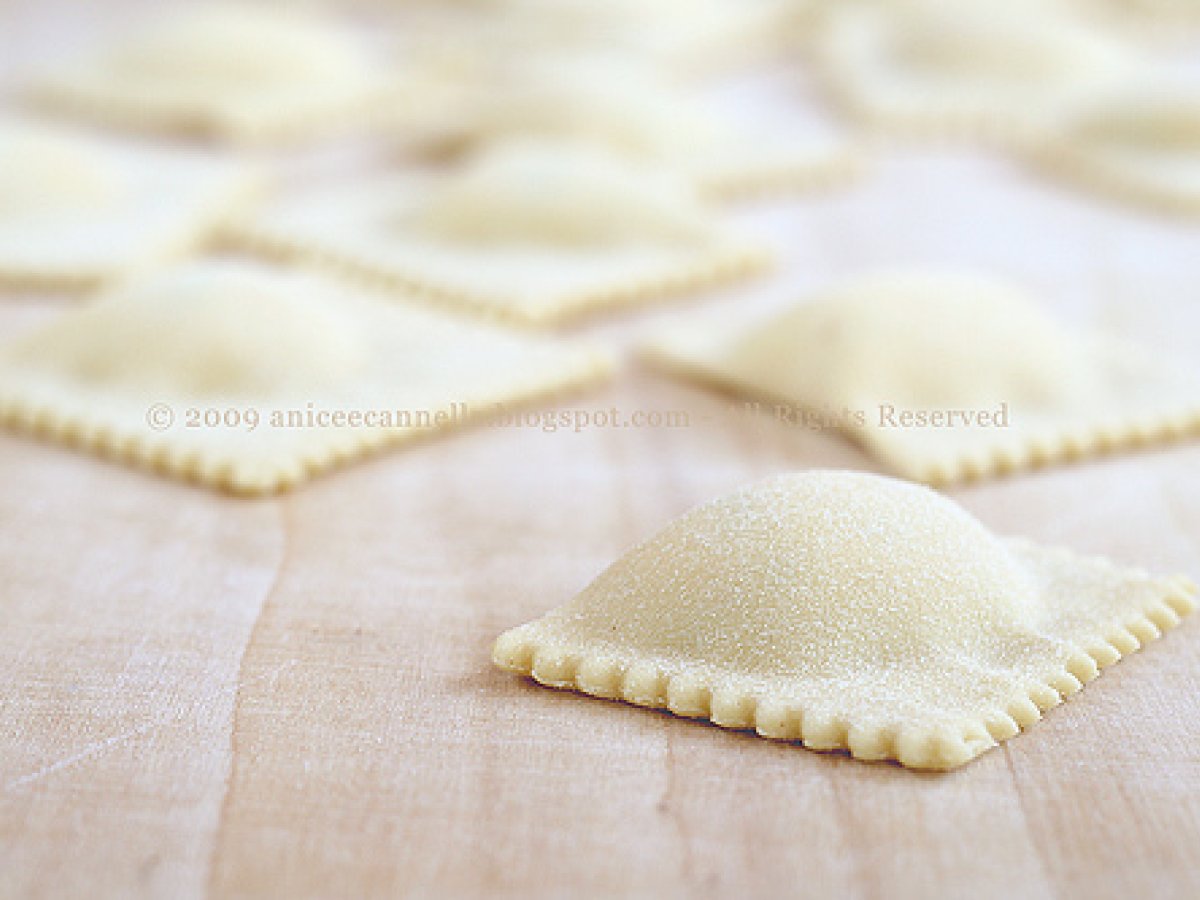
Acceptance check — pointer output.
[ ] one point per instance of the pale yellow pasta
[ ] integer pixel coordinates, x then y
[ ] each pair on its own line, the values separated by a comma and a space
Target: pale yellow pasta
1139, 143
851, 612
236, 71
609, 102
529, 193
44, 173
946, 376
252, 379
77, 211
947, 67
686, 37
528, 231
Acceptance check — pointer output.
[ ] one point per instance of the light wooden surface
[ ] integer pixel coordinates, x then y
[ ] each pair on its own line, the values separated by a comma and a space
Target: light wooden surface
293, 697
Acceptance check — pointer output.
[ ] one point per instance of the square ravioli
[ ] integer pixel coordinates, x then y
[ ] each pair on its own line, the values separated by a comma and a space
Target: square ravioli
529, 232
851, 612
689, 38
946, 68
76, 210
633, 111
252, 380
945, 377
1139, 143
232, 71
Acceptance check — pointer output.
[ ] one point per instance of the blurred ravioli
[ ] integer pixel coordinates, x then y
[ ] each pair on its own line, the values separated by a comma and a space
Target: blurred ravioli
944, 67
684, 37
76, 210
528, 231
234, 71
120, 375
850, 612
920, 355
609, 102
1139, 143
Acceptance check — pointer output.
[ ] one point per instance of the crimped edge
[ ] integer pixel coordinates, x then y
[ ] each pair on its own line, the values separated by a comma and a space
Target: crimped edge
1084, 442
937, 747
726, 266
841, 167
157, 453
936, 124
1061, 158
1067, 446
114, 109
196, 234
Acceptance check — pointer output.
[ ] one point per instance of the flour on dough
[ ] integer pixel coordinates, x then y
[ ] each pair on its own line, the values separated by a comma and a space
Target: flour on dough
851, 612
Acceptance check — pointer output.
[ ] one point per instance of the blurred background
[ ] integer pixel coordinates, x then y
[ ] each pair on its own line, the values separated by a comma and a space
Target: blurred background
203, 695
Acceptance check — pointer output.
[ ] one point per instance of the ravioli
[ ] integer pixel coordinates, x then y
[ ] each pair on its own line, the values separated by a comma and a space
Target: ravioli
76, 211
685, 37
851, 612
528, 231
1140, 143
1171, 12
930, 66
253, 380
632, 111
238, 72
946, 377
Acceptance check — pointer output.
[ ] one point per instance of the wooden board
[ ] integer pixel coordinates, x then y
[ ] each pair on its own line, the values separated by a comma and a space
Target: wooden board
293, 697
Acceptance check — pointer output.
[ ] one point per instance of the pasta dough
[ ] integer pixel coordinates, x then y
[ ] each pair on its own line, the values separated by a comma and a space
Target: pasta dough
629, 110
1140, 143
531, 194
236, 71
43, 173
76, 211
689, 37
945, 67
301, 375
847, 611
903, 351
528, 231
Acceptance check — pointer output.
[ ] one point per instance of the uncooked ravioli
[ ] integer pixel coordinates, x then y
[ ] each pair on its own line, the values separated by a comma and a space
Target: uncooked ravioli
944, 342
214, 332
607, 102
847, 611
945, 67
529, 231
43, 172
546, 195
210, 372
1139, 143
235, 71
77, 210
